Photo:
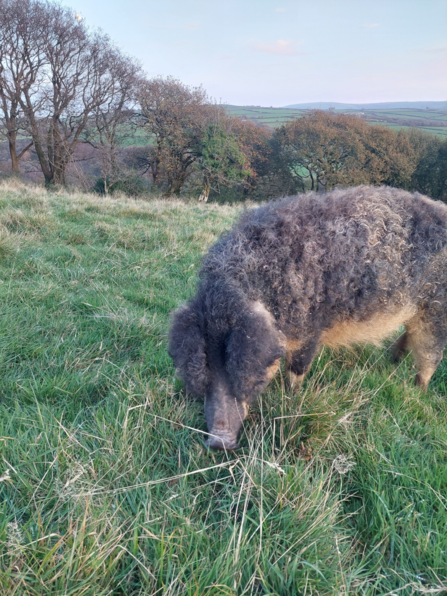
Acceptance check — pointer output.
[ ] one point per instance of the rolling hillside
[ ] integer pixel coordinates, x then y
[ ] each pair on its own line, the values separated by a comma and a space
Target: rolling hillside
433, 121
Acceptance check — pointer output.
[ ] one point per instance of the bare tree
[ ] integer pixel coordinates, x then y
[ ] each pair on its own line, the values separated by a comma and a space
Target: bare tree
55, 74
77, 81
113, 124
21, 63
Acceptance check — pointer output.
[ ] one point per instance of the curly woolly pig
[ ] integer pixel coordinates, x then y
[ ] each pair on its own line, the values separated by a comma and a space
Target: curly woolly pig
350, 266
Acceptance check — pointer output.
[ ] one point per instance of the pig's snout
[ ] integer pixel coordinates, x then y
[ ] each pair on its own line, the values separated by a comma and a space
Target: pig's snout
224, 416
222, 442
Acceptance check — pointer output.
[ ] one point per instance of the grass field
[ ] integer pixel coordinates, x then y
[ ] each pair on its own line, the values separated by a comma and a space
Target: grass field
422, 119
272, 117
105, 485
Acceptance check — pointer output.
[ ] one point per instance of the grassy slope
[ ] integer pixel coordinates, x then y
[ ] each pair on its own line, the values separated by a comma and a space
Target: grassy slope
110, 490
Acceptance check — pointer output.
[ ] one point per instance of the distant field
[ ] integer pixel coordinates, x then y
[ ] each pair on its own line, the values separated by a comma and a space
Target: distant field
432, 121
270, 116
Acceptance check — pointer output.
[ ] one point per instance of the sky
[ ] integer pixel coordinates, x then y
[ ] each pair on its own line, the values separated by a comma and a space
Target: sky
282, 52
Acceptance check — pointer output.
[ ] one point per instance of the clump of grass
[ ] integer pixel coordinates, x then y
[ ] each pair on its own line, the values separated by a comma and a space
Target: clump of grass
6, 244
15, 220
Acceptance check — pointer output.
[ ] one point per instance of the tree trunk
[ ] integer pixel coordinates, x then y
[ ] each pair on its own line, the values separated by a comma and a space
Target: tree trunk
28, 110
13, 153
58, 154
16, 157
176, 185
205, 192
58, 178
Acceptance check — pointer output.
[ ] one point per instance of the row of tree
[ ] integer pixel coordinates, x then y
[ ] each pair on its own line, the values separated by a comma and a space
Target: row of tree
56, 79
64, 87
323, 150
192, 138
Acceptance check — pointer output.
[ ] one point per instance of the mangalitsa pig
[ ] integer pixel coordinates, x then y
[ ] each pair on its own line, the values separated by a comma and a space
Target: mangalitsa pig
346, 267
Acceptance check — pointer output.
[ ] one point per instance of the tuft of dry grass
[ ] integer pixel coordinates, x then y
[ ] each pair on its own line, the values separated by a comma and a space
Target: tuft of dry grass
6, 244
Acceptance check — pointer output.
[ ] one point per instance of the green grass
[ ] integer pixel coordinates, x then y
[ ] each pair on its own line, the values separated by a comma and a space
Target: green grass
273, 117
105, 485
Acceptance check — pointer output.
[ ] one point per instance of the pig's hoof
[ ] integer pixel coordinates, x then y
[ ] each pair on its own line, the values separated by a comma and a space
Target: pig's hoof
221, 444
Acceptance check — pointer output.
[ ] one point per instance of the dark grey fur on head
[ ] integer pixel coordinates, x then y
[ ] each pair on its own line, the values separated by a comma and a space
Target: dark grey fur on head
301, 272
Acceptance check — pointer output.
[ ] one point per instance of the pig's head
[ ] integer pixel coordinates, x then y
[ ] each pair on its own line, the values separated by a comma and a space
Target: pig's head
227, 364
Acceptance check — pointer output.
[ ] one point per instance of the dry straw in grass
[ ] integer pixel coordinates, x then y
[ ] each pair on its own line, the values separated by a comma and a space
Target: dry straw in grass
6, 246
14, 538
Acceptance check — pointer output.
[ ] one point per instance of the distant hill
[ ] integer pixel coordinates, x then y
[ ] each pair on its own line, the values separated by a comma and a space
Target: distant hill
393, 105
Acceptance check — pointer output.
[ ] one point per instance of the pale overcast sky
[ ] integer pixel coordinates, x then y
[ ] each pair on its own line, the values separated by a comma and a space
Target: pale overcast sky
266, 52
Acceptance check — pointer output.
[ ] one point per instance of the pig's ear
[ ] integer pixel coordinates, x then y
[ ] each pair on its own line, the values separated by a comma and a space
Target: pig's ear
187, 350
251, 348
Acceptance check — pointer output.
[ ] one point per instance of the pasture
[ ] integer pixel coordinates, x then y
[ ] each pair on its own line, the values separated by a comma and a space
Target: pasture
432, 121
105, 485
272, 117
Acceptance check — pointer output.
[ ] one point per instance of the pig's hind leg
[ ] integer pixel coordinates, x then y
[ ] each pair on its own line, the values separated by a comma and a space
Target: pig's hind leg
298, 362
399, 348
